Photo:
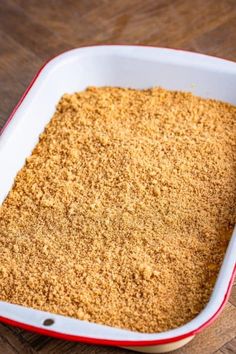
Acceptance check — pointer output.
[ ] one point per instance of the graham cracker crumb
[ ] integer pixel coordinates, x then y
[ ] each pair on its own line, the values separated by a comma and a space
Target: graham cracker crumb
123, 212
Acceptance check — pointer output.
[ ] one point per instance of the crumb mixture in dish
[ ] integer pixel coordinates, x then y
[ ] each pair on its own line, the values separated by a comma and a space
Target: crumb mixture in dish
123, 212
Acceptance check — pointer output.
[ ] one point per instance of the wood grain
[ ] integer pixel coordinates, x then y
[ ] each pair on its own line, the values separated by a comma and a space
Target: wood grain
31, 32
214, 337
229, 348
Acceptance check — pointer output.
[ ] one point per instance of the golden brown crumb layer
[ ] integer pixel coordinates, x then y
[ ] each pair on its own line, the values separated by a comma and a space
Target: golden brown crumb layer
123, 212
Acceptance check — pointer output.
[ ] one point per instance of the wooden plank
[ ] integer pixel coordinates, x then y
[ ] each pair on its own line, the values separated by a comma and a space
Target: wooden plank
39, 39
46, 345
229, 348
17, 68
36, 341
56, 347
215, 336
53, 13
16, 60
186, 22
232, 298
131, 22
12, 343
219, 41
106, 21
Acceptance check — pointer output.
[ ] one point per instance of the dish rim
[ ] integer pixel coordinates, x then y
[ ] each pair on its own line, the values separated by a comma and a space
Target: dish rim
94, 340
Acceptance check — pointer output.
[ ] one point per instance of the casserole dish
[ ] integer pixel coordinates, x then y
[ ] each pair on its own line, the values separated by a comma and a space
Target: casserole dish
123, 66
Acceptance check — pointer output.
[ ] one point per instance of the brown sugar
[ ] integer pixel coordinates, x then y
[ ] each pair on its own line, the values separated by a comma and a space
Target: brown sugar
123, 212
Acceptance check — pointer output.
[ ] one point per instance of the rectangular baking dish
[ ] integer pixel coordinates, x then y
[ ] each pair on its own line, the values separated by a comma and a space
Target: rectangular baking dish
124, 66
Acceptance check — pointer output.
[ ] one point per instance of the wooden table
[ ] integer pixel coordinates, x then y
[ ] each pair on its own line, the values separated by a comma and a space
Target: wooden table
33, 31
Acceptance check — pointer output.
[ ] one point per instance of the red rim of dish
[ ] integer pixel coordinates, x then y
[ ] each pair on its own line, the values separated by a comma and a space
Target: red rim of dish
91, 340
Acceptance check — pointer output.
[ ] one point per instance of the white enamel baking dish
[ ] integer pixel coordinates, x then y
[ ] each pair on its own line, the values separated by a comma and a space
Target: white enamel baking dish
124, 66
